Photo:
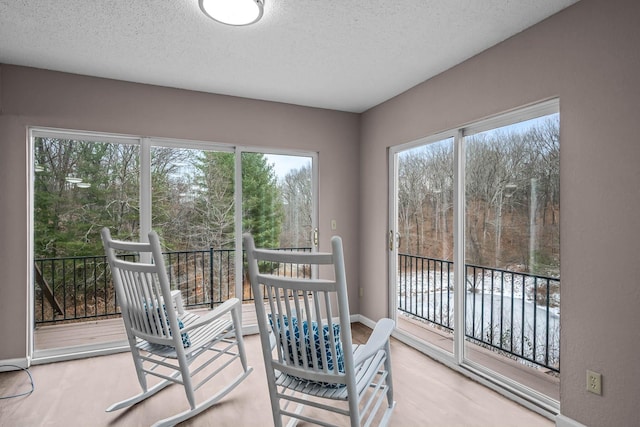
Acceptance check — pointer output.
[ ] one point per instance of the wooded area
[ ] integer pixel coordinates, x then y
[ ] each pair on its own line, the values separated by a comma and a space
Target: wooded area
512, 198
82, 186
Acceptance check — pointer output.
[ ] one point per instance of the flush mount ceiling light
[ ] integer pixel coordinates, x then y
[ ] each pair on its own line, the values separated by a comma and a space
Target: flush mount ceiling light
233, 12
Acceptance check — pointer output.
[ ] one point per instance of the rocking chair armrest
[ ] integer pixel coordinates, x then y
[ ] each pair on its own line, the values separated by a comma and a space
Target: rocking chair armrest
228, 306
177, 302
377, 341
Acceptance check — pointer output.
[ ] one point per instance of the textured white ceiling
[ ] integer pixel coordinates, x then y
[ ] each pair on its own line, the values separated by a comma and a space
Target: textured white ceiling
339, 54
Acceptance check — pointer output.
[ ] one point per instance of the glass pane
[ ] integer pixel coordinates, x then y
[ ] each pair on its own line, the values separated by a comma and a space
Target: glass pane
277, 205
80, 186
425, 245
512, 251
193, 212
294, 182
277, 200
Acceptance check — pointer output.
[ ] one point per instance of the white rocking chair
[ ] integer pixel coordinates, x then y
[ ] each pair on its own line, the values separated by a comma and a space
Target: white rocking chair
309, 358
165, 339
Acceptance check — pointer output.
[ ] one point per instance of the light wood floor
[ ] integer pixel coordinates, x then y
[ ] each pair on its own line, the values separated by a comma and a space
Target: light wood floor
75, 393
53, 340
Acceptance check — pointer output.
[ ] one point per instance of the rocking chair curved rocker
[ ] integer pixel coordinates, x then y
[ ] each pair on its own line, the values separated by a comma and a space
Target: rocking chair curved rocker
165, 339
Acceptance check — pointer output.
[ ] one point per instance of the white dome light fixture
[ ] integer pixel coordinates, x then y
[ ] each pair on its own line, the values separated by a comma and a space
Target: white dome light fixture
233, 12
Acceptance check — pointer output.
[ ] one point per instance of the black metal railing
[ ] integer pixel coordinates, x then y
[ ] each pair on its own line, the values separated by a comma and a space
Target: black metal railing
69, 288
514, 313
511, 312
80, 288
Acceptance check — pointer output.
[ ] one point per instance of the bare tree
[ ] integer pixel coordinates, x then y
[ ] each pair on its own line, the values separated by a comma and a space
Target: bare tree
511, 197
296, 192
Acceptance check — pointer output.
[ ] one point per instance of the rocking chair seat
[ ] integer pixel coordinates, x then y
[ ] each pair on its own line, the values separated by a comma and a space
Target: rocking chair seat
200, 332
363, 378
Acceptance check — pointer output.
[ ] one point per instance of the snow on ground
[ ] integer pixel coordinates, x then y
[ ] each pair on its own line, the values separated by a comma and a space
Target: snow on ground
500, 309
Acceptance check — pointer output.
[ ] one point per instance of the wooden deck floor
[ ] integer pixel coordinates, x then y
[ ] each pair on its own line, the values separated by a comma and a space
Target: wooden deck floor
537, 379
81, 334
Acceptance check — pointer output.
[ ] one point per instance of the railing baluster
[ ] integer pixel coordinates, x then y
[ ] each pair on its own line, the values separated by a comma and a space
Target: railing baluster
64, 290
524, 297
106, 289
84, 286
407, 286
230, 262
179, 280
449, 265
473, 311
546, 344
42, 296
482, 270
75, 286
413, 287
441, 292
429, 292
422, 287
211, 295
491, 331
502, 310
512, 311
535, 316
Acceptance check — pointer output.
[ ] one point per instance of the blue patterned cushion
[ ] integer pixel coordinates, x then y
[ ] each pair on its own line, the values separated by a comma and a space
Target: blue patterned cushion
186, 341
307, 343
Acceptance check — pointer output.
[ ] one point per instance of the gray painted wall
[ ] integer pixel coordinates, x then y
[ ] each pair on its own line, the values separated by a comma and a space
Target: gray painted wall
588, 56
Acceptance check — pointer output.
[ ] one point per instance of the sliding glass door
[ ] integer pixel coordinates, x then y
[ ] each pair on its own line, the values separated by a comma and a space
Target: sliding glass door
512, 251
474, 248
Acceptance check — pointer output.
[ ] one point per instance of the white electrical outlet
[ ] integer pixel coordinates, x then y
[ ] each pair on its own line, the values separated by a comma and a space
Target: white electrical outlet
594, 382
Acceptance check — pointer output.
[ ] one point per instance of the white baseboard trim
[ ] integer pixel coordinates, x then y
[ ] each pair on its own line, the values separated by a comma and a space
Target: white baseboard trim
14, 364
562, 421
364, 320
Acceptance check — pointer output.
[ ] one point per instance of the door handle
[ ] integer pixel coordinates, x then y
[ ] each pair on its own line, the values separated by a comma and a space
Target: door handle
394, 238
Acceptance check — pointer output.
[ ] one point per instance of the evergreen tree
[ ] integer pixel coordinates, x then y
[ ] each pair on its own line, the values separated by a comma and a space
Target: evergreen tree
262, 207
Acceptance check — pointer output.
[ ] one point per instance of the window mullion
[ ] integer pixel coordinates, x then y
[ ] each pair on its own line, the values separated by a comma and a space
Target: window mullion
458, 244
145, 188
